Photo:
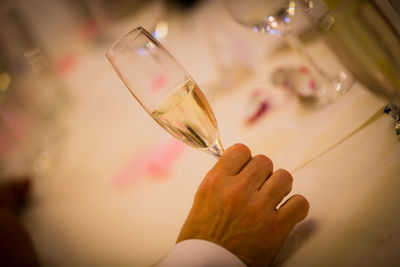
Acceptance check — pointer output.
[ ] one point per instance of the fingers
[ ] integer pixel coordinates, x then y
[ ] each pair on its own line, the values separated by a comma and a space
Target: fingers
257, 171
233, 159
276, 187
294, 210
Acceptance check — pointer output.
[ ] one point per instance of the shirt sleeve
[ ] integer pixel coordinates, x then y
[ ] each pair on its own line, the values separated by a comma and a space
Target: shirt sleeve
196, 253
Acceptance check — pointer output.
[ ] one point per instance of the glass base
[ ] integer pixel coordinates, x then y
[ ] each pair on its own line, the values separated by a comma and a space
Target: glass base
333, 88
216, 149
308, 88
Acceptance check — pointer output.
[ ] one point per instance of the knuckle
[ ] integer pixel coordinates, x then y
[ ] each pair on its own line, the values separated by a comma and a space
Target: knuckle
301, 203
241, 148
263, 160
300, 208
298, 211
285, 175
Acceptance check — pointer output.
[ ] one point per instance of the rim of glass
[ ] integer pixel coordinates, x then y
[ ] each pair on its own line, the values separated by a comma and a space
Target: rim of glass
119, 45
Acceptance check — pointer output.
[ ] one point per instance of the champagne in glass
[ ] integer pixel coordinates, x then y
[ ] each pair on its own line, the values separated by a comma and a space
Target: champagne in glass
165, 90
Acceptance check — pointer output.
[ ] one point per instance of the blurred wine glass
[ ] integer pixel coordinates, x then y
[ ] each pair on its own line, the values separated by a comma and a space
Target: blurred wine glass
165, 90
364, 35
275, 17
32, 99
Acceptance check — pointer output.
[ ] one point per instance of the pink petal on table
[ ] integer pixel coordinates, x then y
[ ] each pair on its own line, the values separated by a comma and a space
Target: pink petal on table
303, 69
262, 108
88, 30
311, 84
66, 63
155, 163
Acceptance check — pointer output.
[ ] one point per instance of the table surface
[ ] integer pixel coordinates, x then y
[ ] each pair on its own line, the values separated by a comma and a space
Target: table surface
122, 187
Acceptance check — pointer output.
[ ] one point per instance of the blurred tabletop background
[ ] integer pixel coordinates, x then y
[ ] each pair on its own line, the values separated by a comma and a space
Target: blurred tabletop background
111, 188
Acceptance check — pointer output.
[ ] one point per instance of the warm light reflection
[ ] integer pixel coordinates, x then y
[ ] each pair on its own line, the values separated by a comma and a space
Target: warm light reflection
150, 45
310, 5
5, 80
291, 9
161, 30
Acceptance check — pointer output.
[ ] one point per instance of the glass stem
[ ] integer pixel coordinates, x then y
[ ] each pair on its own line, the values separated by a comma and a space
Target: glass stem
216, 149
294, 42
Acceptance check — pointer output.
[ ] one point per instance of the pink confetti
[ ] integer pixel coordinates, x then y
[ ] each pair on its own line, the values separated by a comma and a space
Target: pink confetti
259, 104
88, 31
262, 108
155, 163
311, 84
303, 69
66, 64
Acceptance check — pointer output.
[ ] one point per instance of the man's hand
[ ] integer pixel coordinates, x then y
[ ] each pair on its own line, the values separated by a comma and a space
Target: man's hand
236, 207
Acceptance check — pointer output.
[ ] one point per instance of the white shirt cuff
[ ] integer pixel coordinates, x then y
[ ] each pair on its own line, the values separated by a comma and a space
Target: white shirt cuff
196, 253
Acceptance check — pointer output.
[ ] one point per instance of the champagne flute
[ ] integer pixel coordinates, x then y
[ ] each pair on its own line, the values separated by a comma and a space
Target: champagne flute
165, 90
275, 17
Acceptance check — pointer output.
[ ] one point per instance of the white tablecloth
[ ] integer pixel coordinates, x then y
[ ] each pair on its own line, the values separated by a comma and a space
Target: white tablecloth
94, 209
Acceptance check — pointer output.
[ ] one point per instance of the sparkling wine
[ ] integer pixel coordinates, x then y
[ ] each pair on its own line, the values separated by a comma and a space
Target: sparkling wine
187, 115
165, 90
